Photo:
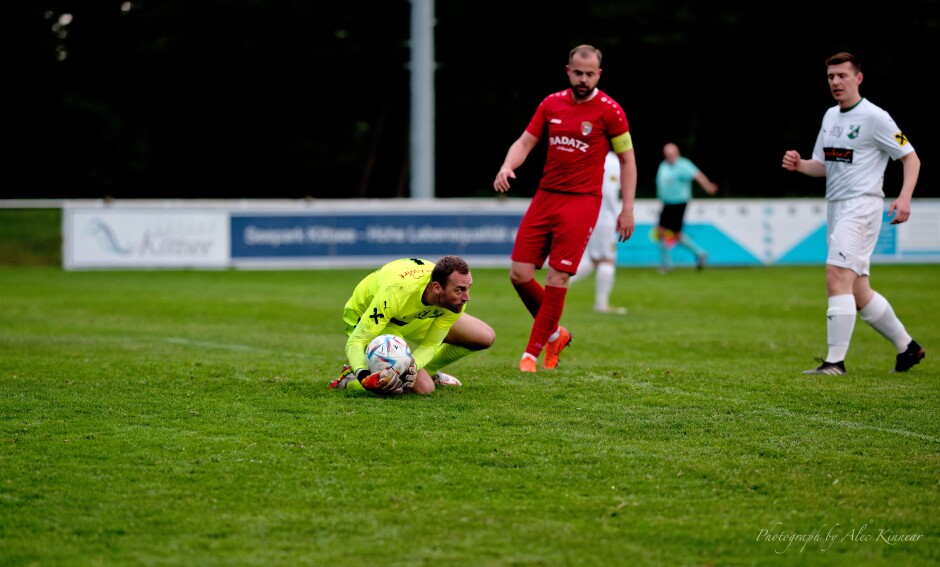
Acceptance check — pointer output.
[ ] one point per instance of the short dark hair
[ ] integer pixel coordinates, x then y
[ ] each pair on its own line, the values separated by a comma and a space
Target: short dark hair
584, 50
446, 266
843, 57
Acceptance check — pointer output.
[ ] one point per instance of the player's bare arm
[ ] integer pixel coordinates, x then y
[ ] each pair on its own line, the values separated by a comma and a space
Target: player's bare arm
901, 207
793, 162
707, 184
518, 152
626, 223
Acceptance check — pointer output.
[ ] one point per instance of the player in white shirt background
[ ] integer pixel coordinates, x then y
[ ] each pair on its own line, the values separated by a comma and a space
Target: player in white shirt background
600, 256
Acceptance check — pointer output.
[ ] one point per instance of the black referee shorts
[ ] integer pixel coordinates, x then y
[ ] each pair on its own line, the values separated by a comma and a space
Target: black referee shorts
671, 216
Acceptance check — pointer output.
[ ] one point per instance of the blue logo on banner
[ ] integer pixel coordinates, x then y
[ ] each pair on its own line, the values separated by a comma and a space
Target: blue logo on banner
106, 237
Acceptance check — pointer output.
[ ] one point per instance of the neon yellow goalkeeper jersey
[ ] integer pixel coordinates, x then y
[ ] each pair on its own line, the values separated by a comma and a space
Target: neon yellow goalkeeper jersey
388, 301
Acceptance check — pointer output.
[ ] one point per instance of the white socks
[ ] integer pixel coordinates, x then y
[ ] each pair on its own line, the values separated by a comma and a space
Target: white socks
840, 322
604, 284
879, 314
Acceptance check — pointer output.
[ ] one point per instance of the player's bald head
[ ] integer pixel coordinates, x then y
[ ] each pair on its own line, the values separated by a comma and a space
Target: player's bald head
585, 52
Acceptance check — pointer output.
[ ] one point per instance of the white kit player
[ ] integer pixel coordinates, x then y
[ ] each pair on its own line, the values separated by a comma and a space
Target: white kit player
852, 151
600, 256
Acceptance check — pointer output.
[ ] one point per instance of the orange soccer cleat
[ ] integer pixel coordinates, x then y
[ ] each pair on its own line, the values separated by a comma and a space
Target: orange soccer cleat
554, 348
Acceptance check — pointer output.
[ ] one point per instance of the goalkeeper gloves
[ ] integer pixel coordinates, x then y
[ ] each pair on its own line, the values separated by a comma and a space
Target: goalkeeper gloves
408, 378
383, 382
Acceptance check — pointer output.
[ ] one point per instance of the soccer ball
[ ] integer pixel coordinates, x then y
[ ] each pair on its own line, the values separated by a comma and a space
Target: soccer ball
388, 351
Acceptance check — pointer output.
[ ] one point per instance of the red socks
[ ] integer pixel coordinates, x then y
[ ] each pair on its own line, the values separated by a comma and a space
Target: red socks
531, 294
546, 318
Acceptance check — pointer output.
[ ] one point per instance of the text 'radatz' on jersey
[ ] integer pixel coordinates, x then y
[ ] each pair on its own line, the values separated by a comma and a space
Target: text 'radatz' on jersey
573, 143
842, 155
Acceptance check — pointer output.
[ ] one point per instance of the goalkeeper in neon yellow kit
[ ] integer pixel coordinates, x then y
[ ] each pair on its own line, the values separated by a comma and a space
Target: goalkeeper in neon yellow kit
423, 303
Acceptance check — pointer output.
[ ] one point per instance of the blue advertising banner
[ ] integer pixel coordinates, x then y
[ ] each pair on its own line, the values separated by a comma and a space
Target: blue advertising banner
344, 237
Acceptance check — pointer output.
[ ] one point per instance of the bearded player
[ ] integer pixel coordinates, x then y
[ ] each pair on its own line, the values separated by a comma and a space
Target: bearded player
580, 125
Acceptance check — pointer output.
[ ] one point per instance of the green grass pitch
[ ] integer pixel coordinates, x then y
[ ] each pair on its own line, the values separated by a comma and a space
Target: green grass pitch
183, 418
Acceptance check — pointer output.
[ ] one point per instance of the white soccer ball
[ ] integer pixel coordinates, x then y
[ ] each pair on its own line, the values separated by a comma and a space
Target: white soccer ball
388, 351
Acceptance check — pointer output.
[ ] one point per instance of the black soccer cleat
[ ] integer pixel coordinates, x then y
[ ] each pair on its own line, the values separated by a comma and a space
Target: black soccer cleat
907, 359
828, 368
700, 261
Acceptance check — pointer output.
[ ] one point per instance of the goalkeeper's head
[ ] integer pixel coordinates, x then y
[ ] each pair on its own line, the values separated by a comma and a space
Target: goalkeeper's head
450, 283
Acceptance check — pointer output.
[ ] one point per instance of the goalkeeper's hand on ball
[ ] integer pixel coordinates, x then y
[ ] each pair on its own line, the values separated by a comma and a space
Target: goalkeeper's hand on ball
408, 378
383, 382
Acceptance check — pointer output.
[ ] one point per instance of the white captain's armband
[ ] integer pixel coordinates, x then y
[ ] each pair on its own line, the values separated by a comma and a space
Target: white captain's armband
622, 143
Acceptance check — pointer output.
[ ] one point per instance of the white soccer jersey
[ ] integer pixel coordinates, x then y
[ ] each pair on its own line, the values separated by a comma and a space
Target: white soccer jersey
855, 146
610, 207
603, 242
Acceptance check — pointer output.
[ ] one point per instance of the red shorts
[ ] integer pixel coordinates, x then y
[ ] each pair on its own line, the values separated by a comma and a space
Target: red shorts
556, 226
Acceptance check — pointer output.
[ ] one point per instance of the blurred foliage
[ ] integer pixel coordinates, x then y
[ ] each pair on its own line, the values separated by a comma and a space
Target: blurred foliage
229, 99
30, 237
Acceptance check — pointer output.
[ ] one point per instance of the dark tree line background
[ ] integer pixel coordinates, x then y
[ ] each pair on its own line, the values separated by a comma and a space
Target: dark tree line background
264, 99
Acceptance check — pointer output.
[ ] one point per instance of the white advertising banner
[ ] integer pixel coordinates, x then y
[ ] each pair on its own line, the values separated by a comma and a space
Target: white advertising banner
145, 238
324, 234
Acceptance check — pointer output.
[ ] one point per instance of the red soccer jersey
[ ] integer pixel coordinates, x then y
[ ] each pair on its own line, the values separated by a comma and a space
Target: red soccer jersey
578, 137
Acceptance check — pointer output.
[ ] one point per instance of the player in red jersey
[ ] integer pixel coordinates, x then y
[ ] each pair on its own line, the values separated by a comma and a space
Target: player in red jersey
580, 125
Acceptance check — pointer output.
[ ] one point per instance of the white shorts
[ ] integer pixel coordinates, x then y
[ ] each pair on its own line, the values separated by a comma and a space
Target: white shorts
852, 228
603, 244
